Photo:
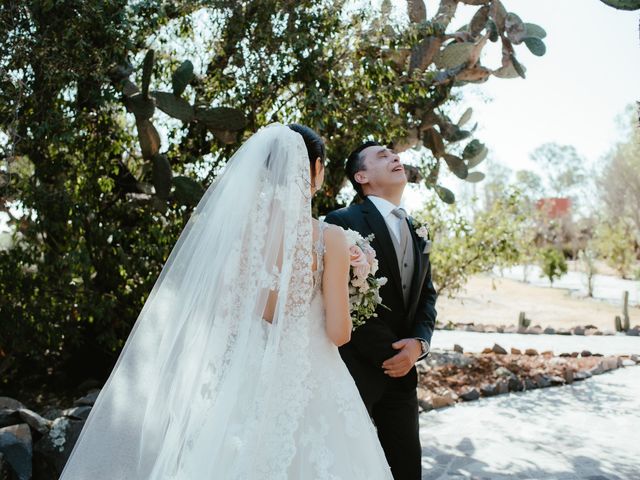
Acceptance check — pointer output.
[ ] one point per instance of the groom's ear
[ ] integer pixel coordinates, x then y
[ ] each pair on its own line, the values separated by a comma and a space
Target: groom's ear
361, 177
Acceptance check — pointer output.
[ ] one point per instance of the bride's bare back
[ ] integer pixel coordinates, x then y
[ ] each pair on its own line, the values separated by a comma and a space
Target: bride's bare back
335, 280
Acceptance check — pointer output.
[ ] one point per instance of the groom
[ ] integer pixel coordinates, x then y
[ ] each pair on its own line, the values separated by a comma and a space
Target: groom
382, 353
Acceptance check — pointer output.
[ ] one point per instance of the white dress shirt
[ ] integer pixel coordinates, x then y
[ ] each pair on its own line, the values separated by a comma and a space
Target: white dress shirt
385, 207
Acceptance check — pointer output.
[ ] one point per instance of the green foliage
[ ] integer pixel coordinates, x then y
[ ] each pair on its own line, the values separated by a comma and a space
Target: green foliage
96, 202
552, 263
463, 247
616, 244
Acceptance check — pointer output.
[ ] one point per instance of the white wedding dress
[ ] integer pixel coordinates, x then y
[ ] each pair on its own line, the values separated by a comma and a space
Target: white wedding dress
204, 387
335, 438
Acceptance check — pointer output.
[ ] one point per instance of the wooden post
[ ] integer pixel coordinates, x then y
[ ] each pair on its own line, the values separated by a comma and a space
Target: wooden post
618, 323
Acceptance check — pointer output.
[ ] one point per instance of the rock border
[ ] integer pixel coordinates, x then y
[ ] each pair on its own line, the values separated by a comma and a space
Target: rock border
456, 366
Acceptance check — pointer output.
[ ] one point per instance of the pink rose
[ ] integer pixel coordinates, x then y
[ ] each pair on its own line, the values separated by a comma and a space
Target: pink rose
359, 262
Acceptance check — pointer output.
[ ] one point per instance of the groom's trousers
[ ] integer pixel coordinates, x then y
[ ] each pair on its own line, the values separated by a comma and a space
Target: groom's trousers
395, 414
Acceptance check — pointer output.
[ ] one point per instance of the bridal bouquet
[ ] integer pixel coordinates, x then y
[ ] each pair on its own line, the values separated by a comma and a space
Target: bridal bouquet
364, 286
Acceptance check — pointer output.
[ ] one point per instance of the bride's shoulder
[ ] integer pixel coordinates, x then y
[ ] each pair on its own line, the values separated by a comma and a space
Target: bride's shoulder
335, 238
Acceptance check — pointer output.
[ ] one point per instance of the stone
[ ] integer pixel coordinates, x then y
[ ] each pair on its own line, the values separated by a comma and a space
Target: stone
15, 444
597, 370
574, 354
10, 403
52, 413
609, 363
529, 384
635, 358
532, 352
634, 332
35, 421
543, 381
53, 449
515, 351
490, 329
422, 366
488, 390
556, 380
585, 353
563, 331
470, 395
9, 417
597, 355
628, 363
608, 332
500, 329
515, 384
79, 413
582, 375
568, 376
578, 330
498, 349
457, 348
591, 331
443, 398
549, 331
547, 354
511, 329
424, 400
88, 399
537, 330
564, 355
503, 372
469, 328
502, 387
487, 350
5, 468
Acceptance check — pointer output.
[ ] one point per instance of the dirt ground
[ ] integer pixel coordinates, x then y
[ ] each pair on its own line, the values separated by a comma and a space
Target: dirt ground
498, 301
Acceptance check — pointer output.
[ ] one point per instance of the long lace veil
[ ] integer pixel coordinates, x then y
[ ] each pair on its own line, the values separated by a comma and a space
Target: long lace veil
202, 374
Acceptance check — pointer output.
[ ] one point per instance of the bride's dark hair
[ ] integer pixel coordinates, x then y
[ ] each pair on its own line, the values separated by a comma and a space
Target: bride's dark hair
314, 143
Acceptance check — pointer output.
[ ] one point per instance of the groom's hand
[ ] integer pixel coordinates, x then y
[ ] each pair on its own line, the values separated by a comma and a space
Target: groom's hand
402, 362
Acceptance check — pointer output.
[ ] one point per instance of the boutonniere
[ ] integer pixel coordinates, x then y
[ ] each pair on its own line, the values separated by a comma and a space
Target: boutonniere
422, 230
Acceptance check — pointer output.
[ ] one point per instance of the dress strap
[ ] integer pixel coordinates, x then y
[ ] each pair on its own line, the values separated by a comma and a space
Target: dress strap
320, 247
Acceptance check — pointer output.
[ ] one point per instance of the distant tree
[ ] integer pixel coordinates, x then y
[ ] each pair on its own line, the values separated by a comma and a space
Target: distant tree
564, 168
463, 247
619, 181
552, 263
616, 243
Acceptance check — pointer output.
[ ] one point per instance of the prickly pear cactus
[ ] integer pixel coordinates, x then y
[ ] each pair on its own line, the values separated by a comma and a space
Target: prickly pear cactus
223, 122
449, 59
623, 4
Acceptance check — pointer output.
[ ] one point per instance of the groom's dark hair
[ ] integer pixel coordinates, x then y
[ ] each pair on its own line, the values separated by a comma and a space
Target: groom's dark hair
355, 164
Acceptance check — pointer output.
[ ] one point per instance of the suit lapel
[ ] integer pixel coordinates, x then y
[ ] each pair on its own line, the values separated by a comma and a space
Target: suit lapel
420, 266
382, 240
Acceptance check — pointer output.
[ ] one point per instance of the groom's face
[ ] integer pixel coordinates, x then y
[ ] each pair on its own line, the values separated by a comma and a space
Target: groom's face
382, 169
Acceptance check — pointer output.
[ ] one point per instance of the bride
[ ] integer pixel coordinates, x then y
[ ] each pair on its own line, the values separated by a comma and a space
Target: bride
232, 369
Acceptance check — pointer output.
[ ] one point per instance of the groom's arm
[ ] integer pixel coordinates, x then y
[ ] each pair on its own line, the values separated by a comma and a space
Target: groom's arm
425, 319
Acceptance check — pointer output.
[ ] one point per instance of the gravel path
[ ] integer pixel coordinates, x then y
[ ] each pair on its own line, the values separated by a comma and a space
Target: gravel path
588, 430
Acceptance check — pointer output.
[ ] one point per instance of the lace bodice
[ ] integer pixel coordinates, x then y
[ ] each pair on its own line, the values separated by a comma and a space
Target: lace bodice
320, 251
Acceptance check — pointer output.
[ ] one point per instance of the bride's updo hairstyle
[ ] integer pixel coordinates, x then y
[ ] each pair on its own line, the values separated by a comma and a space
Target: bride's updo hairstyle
314, 143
